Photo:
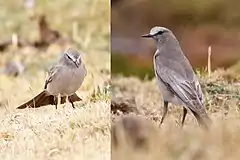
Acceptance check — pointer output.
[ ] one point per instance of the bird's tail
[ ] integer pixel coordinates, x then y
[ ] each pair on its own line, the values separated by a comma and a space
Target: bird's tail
203, 120
50, 99
37, 101
73, 98
43, 99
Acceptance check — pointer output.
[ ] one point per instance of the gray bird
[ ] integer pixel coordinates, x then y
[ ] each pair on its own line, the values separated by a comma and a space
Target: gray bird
64, 79
175, 76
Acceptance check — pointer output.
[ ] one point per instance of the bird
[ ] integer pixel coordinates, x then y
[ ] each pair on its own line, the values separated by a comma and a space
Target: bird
175, 76
63, 80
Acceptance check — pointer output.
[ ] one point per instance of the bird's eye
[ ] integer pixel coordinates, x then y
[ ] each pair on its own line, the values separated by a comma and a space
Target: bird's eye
160, 32
69, 57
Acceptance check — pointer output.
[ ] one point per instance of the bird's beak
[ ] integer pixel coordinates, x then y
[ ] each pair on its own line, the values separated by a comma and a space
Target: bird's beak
76, 62
147, 35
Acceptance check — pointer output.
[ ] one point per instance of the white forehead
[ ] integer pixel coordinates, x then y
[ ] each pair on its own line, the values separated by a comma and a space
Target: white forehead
157, 29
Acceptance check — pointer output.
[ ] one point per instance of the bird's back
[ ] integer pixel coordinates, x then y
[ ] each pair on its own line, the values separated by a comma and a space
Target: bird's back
175, 70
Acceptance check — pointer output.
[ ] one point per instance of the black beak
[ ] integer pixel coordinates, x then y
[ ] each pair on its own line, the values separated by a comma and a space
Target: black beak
146, 35
76, 63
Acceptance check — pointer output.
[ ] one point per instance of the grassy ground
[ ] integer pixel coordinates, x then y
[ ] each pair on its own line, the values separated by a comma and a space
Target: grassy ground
46, 133
221, 89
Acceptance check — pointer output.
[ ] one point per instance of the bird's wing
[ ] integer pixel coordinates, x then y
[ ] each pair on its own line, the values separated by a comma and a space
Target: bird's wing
188, 91
51, 74
198, 89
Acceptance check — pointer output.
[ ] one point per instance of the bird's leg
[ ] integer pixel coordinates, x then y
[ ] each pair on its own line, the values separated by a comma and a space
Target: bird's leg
184, 115
70, 100
55, 101
165, 109
66, 100
58, 99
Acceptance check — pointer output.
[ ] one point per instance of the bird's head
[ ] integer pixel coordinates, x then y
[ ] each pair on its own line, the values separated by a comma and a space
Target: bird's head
72, 58
156, 33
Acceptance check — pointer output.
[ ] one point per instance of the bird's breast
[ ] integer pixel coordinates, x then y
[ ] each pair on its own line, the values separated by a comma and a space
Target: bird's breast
67, 81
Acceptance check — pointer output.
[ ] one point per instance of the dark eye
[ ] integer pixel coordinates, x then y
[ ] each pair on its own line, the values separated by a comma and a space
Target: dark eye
160, 32
69, 57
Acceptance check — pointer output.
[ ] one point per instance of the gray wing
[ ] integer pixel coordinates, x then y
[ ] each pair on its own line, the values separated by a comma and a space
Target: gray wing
51, 74
183, 85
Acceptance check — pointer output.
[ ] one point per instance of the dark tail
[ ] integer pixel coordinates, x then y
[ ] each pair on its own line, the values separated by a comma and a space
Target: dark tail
50, 99
39, 100
203, 120
73, 98
43, 99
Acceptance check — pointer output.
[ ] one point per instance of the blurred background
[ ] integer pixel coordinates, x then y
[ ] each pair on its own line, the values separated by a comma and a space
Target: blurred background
196, 24
33, 35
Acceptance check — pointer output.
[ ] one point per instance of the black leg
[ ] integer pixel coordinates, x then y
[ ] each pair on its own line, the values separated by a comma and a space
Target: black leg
70, 100
165, 109
184, 115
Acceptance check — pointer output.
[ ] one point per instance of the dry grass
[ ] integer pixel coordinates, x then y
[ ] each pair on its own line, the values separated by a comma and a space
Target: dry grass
222, 92
47, 133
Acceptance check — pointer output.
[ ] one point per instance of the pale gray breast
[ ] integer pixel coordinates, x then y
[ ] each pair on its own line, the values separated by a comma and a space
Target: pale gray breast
67, 80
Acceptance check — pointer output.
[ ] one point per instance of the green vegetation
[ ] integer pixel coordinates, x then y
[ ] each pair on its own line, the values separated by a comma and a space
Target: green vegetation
122, 65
